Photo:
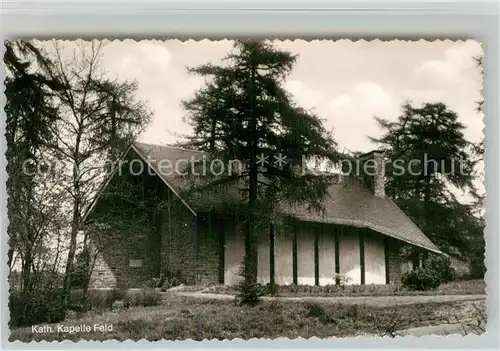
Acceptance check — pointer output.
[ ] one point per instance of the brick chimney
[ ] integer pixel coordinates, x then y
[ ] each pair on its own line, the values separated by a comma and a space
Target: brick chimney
371, 167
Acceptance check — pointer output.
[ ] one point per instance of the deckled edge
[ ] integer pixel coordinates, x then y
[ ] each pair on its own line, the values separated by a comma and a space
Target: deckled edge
236, 341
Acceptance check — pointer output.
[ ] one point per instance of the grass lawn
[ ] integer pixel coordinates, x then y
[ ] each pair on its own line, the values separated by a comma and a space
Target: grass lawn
179, 318
464, 287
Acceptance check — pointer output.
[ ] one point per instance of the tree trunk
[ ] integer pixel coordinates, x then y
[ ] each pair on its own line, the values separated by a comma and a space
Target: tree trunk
75, 221
212, 135
251, 249
28, 244
26, 270
75, 226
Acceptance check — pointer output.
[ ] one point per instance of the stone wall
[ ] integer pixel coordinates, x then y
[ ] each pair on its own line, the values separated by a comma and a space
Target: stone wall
372, 169
102, 277
210, 228
394, 260
178, 249
195, 260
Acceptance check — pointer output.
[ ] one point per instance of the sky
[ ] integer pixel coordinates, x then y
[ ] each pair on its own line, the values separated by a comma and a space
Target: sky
346, 83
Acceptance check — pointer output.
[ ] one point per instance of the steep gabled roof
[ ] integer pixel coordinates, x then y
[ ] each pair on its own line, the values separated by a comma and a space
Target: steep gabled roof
345, 204
356, 206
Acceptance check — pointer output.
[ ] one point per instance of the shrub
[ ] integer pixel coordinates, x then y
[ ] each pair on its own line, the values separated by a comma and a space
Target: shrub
342, 279
166, 281
118, 294
150, 297
132, 298
145, 297
80, 276
101, 300
316, 310
76, 301
421, 279
442, 266
98, 300
477, 267
437, 270
249, 294
271, 289
43, 306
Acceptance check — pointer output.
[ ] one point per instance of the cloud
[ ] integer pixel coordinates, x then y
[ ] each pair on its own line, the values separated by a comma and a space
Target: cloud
343, 91
352, 114
306, 96
163, 84
450, 70
145, 57
340, 102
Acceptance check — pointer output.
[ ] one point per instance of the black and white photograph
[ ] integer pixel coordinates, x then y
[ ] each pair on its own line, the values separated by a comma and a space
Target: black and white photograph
246, 188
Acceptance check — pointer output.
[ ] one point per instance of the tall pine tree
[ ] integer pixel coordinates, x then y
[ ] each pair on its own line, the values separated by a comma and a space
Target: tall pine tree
244, 113
30, 113
429, 156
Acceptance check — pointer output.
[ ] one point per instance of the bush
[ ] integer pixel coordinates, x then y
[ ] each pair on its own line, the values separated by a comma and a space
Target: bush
79, 278
249, 294
437, 270
166, 281
150, 297
44, 306
442, 266
421, 279
477, 266
271, 289
102, 300
144, 297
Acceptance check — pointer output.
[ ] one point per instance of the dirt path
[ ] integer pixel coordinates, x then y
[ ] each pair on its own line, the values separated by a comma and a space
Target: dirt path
381, 301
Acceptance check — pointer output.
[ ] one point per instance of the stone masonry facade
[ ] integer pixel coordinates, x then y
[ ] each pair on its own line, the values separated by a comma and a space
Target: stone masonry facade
393, 260
165, 244
174, 241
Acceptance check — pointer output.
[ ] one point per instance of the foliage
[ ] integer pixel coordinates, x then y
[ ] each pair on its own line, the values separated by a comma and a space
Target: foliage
33, 202
457, 287
95, 300
316, 310
150, 297
65, 121
342, 279
340, 290
166, 281
480, 106
429, 157
442, 265
249, 293
436, 271
100, 301
391, 324
421, 279
144, 297
46, 306
211, 319
244, 113
477, 266
80, 275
